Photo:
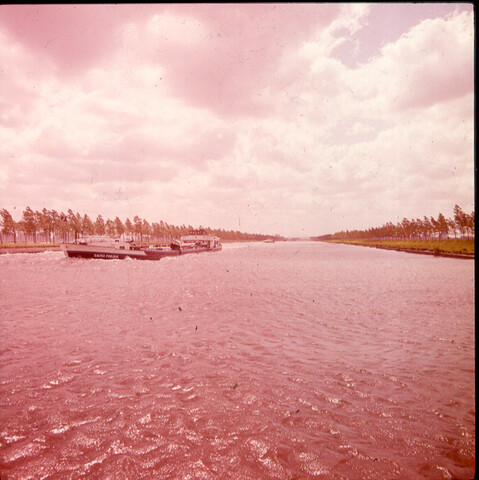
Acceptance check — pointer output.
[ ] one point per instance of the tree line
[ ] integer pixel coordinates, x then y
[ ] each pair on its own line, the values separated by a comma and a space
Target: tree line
49, 226
461, 225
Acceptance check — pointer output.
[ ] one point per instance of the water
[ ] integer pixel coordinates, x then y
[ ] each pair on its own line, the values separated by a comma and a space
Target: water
285, 361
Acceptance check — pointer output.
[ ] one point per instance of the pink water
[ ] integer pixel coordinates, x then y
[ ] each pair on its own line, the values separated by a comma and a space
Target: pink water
293, 360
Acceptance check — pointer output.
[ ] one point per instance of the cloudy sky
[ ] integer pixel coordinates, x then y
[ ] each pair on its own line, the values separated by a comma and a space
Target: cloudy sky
295, 119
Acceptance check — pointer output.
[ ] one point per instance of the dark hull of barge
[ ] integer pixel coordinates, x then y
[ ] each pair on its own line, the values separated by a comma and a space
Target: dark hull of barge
109, 253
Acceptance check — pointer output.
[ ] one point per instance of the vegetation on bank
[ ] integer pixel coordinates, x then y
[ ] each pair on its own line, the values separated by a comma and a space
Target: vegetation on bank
450, 245
52, 227
28, 245
428, 229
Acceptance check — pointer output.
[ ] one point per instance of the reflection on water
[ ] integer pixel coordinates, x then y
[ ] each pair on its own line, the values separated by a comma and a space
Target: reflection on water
271, 361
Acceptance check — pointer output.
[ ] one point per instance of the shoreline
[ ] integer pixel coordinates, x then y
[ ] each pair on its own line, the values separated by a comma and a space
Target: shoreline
466, 256
36, 249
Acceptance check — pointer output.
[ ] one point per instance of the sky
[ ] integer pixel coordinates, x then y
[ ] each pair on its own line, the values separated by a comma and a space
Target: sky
291, 119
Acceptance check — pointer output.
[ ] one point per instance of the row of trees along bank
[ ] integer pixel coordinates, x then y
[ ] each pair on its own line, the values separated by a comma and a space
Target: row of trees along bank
49, 226
461, 225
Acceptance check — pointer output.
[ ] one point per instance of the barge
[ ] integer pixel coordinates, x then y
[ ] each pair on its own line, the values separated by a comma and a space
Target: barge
197, 241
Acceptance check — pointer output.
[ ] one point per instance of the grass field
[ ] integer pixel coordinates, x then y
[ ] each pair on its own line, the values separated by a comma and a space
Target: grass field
450, 245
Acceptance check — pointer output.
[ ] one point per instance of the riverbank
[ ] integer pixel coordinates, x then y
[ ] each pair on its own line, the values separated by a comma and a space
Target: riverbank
25, 248
453, 248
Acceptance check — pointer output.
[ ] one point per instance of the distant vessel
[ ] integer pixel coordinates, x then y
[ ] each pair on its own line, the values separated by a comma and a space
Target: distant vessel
197, 241
269, 240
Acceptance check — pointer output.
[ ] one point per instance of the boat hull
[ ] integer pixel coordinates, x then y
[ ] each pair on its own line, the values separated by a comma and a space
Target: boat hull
112, 253
105, 253
156, 255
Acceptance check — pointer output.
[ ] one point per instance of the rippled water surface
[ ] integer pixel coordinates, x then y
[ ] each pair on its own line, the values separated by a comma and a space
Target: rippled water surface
294, 360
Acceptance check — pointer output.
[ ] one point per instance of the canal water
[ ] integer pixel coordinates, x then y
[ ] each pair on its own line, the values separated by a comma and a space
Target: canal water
292, 360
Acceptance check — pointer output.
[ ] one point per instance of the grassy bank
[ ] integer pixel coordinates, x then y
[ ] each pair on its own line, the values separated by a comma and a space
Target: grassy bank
453, 246
29, 245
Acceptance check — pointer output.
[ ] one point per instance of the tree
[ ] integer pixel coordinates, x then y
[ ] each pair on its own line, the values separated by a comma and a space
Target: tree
162, 229
119, 227
415, 227
442, 225
75, 223
41, 222
155, 230
451, 224
8, 224
29, 223
435, 226
146, 228
138, 227
427, 226
100, 225
48, 223
62, 226
129, 227
460, 219
407, 227
88, 227
469, 223
110, 228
